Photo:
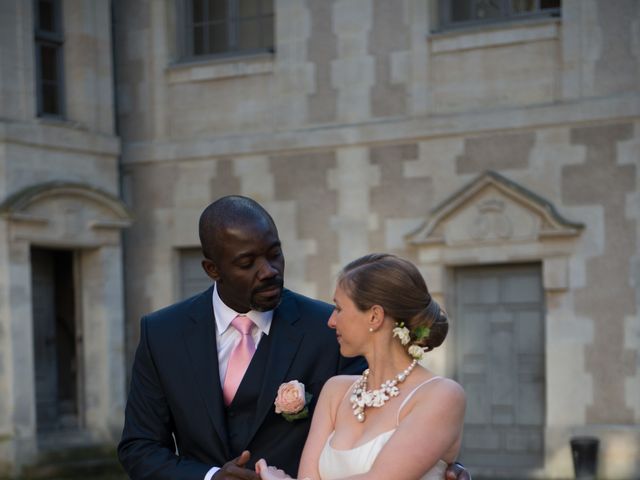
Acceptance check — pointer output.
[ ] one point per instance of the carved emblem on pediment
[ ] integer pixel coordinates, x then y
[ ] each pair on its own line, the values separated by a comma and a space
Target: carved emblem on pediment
492, 209
491, 221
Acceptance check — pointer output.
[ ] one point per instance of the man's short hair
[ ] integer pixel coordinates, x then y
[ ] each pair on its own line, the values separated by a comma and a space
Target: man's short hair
225, 212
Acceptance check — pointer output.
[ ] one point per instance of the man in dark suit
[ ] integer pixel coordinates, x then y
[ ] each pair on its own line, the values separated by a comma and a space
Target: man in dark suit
177, 423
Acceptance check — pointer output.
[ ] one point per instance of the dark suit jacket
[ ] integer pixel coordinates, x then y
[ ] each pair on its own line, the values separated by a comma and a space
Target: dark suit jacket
176, 393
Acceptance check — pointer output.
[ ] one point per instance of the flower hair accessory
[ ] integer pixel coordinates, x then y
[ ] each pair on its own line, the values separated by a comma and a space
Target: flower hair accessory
292, 401
416, 352
402, 333
408, 337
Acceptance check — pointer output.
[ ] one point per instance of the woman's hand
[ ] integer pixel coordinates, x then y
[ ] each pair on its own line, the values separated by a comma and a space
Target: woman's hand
269, 473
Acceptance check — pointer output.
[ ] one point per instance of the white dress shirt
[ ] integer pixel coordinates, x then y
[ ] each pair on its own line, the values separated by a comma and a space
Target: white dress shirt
227, 337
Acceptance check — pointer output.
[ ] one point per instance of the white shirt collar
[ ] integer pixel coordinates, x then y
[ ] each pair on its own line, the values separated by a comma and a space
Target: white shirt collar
224, 315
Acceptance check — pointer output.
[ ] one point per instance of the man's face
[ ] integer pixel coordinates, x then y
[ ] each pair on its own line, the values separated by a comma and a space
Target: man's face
249, 266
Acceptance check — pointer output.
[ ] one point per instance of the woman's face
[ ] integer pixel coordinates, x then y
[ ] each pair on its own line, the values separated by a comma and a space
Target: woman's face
351, 325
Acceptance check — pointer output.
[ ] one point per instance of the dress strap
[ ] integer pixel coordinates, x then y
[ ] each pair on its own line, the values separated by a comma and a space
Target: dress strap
408, 397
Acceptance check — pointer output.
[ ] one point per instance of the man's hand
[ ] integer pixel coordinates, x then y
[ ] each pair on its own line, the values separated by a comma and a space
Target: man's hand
456, 471
234, 469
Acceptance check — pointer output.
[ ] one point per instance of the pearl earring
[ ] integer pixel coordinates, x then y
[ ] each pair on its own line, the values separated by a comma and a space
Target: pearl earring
371, 329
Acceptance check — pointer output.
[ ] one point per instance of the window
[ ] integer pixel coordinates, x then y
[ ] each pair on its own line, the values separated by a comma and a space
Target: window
193, 279
226, 27
462, 13
48, 44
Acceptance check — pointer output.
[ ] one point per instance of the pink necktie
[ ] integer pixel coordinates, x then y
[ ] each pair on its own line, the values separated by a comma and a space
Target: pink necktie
239, 359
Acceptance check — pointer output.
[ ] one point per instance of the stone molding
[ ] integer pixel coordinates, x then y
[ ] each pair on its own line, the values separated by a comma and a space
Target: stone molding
66, 213
408, 130
493, 209
61, 135
218, 68
495, 35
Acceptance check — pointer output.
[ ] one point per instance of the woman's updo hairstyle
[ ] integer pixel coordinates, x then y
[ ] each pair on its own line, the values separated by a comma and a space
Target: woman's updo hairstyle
397, 286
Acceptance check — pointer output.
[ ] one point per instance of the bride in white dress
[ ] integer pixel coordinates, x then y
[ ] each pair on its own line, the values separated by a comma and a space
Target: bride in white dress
410, 427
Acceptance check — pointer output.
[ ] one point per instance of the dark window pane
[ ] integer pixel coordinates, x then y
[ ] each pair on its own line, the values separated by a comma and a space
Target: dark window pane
248, 34
48, 49
218, 9
266, 7
465, 12
197, 11
212, 30
50, 99
46, 16
198, 41
218, 38
487, 9
49, 63
523, 6
549, 4
248, 8
460, 10
266, 32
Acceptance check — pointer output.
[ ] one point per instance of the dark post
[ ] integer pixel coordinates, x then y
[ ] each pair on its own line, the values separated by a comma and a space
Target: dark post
585, 457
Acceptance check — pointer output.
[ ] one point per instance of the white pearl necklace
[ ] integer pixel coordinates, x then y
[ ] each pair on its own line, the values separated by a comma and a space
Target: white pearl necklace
362, 398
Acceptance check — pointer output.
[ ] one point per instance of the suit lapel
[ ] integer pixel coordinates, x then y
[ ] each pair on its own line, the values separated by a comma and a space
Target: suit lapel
285, 340
200, 340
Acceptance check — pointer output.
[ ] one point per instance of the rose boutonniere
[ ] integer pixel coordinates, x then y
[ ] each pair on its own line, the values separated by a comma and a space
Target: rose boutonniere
292, 401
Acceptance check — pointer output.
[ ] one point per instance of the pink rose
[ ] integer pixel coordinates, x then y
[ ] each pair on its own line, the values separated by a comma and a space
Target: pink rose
290, 399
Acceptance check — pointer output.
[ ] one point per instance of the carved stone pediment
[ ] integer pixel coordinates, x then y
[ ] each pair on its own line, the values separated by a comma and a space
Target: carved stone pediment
493, 209
65, 212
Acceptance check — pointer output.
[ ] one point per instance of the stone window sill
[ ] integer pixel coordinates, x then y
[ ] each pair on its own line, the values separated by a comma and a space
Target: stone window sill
214, 69
494, 35
61, 121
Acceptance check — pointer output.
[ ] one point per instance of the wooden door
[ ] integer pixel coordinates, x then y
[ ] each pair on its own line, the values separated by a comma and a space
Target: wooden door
44, 337
54, 339
499, 341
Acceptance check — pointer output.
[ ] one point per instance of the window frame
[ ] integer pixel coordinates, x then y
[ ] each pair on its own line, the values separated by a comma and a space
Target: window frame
186, 31
506, 15
53, 39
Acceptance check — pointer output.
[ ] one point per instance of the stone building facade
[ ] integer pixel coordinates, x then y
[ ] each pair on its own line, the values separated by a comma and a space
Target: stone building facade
502, 157
62, 345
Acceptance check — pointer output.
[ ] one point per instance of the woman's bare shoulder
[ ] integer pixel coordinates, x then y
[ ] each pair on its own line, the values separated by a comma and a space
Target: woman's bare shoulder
450, 385
434, 390
445, 390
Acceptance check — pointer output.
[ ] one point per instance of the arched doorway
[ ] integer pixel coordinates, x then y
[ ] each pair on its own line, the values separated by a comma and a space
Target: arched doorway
62, 259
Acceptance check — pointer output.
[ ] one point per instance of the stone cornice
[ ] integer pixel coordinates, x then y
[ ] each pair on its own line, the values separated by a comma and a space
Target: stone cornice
58, 135
386, 130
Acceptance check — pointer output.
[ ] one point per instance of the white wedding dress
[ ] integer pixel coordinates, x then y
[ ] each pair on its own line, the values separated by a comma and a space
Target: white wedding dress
335, 463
